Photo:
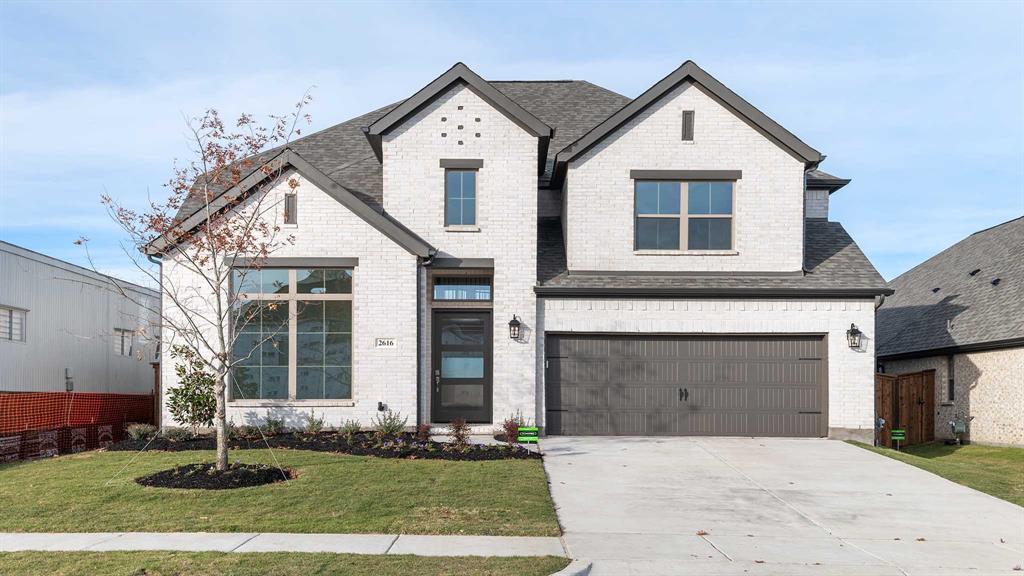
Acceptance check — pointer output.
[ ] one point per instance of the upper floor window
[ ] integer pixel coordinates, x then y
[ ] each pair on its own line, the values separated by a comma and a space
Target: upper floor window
291, 206
683, 215
460, 198
123, 341
12, 324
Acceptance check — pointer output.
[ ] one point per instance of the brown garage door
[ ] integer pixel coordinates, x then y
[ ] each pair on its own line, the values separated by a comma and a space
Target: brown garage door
640, 385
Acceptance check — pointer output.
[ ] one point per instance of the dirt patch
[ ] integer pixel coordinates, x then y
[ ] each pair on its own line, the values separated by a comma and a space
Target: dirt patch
207, 477
404, 445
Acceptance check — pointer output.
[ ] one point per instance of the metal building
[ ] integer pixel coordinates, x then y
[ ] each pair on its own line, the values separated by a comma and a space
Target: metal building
64, 327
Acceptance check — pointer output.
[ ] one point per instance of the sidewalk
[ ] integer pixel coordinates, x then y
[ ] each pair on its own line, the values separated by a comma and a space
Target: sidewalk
269, 542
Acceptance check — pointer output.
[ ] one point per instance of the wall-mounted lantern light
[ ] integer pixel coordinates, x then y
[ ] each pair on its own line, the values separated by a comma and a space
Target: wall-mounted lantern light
514, 327
854, 336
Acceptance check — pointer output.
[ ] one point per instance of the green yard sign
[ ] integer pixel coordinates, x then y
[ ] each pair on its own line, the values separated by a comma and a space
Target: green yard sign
898, 434
528, 434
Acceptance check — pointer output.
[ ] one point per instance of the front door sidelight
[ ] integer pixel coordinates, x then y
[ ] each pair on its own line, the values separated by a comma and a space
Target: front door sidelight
461, 384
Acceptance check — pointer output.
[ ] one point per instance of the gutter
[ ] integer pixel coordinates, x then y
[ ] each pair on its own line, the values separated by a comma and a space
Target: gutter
577, 292
961, 349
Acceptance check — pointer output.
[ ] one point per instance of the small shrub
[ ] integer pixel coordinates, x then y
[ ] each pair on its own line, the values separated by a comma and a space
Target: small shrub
510, 428
350, 428
246, 431
314, 425
192, 401
140, 431
389, 423
458, 430
423, 432
178, 434
273, 426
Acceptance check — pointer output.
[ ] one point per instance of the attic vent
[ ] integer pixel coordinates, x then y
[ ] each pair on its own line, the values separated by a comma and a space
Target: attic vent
687, 125
995, 281
935, 290
974, 272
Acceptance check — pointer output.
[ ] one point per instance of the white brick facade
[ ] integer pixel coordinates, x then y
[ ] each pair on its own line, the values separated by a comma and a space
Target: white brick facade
850, 372
768, 199
384, 305
506, 217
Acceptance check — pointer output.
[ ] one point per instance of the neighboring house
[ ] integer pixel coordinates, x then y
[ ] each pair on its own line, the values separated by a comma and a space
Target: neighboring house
599, 265
961, 314
67, 328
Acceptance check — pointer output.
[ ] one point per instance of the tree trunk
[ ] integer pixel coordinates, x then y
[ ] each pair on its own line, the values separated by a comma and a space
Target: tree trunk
220, 423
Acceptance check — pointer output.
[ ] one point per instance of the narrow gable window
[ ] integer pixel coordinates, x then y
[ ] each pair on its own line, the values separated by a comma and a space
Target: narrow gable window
12, 324
687, 125
291, 205
460, 198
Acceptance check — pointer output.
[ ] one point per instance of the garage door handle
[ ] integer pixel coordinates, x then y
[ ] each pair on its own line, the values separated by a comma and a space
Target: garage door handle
684, 395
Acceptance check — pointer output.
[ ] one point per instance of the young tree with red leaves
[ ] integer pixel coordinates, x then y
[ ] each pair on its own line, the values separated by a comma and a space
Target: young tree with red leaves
220, 209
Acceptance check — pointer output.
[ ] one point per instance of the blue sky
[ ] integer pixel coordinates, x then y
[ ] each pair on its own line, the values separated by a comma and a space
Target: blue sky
921, 104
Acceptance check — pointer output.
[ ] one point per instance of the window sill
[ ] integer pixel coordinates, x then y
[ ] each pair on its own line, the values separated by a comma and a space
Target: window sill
461, 228
947, 403
289, 226
286, 403
685, 252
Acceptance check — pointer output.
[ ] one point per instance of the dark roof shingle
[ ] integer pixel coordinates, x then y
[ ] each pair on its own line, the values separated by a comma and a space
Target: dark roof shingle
917, 318
832, 262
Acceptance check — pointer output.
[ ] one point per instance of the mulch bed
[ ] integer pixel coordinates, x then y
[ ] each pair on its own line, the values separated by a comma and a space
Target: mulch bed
404, 445
207, 477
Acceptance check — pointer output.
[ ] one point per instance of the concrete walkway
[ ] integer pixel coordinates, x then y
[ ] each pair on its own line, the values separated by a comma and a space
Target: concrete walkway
270, 542
759, 506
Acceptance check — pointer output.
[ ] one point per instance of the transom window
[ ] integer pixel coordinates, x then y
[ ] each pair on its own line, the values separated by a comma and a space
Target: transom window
293, 334
661, 224
460, 198
462, 288
12, 324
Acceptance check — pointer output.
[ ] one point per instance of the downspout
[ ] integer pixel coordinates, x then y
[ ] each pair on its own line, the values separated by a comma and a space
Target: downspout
426, 261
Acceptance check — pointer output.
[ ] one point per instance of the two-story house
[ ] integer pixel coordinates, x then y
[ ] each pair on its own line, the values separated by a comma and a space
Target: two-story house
599, 265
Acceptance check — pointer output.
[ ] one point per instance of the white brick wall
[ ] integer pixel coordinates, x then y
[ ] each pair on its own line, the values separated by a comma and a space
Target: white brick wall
850, 372
384, 305
768, 199
506, 215
816, 204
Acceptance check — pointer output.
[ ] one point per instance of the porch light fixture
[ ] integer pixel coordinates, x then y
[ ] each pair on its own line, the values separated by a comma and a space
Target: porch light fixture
854, 336
514, 327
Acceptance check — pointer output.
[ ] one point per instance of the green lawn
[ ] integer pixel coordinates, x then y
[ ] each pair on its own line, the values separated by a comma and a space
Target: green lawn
989, 469
333, 493
256, 564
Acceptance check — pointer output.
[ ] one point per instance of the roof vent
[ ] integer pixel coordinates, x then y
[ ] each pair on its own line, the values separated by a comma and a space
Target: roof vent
995, 281
974, 272
935, 290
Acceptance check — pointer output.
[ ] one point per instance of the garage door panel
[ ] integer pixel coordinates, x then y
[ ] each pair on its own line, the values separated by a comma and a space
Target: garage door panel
686, 385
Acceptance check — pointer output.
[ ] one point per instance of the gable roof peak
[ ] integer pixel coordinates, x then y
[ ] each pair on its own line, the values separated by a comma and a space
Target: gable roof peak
689, 71
458, 73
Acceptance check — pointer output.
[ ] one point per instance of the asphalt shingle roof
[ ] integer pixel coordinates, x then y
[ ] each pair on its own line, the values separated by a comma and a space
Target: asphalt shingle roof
343, 153
832, 261
917, 316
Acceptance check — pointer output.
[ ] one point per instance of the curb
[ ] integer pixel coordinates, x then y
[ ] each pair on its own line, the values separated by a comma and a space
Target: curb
575, 568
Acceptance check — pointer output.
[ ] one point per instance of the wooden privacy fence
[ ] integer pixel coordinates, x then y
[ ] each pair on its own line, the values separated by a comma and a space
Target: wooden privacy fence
906, 402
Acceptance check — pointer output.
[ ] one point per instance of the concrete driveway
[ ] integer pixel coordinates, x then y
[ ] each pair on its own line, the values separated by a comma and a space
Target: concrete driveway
721, 506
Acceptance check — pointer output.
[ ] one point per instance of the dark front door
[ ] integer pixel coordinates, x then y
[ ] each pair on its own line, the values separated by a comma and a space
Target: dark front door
461, 366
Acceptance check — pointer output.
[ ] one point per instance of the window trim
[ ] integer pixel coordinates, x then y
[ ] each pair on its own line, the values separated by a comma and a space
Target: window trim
950, 378
120, 334
292, 297
475, 226
11, 311
684, 215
